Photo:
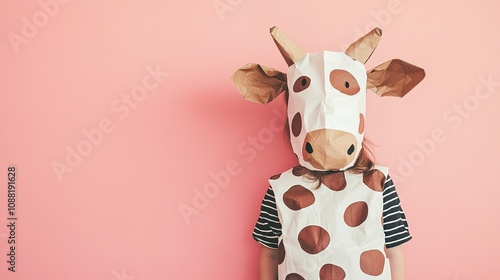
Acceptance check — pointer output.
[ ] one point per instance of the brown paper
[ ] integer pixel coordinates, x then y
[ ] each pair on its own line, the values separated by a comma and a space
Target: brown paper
329, 139
394, 78
290, 50
329, 149
259, 83
362, 49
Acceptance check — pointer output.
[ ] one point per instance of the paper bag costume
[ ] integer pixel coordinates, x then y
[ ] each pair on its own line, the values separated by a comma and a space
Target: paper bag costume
333, 231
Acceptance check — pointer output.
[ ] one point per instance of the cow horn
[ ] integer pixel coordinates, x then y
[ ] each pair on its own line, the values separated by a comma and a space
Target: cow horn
290, 50
362, 49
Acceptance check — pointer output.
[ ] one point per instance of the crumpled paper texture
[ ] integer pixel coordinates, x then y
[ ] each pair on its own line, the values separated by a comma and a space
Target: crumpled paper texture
362, 49
290, 50
259, 83
394, 78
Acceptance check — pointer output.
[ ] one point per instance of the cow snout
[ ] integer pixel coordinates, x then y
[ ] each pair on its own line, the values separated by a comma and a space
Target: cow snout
329, 149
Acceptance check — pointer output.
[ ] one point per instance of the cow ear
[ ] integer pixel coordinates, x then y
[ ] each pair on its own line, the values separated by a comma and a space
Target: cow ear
259, 83
394, 78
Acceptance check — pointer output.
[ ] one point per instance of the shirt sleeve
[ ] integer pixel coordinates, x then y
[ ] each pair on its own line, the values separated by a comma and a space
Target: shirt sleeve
267, 230
395, 224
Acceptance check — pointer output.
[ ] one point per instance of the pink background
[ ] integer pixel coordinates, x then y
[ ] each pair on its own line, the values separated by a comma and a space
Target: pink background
116, 214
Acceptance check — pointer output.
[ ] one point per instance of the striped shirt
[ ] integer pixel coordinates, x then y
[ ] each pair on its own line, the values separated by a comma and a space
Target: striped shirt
267, 230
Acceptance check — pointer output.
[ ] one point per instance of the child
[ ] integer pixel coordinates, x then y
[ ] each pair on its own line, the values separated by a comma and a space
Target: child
337, 214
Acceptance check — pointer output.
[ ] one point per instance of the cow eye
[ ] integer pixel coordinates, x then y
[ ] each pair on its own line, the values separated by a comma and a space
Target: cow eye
301, 84
344, 82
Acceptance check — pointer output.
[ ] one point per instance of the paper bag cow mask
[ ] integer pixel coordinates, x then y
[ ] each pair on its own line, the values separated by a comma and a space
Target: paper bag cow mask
327, 96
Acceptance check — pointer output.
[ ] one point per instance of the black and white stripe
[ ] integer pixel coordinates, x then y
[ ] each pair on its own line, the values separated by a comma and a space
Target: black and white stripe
267, 230
268, 227
395, 224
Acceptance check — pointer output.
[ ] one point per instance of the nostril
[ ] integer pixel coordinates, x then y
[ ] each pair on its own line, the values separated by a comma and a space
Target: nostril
350, 150
309, 148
